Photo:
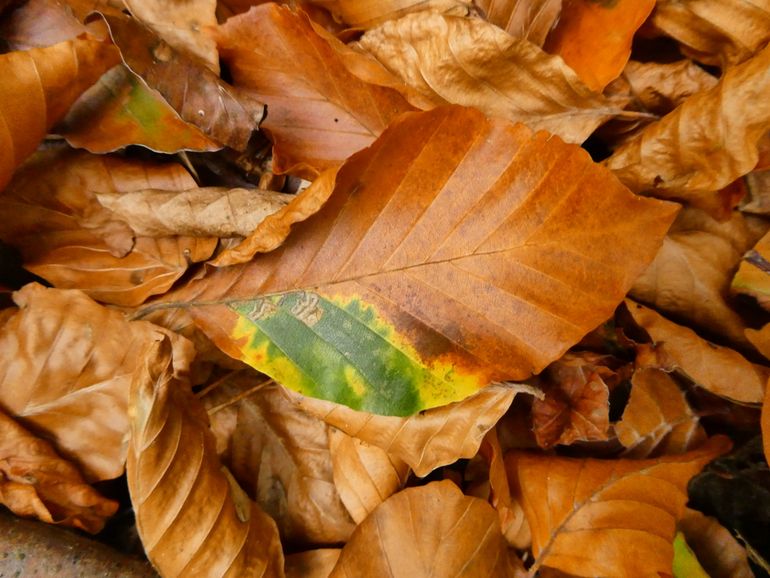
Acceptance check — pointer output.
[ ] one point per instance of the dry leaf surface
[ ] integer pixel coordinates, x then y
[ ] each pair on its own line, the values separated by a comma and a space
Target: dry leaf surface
721, 555
526, 19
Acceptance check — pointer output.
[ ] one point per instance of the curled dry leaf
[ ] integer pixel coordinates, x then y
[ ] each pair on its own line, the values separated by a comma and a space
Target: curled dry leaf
432, 530
703, 145
192, 517
67, 363
720, 370
320, 113
447, 217
365, 14
718, 552
472, 62
594, 38
36, 482
530, 20
753, 275
40, 23
576, 506
657, 420
718, 32
313, 563
364, 474
280, 456
46, 83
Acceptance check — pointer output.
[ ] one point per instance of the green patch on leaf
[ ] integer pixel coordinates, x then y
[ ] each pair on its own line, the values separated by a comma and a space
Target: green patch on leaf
686, 564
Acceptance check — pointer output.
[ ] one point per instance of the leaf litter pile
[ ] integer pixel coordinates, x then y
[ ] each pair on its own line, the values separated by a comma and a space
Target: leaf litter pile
399, 288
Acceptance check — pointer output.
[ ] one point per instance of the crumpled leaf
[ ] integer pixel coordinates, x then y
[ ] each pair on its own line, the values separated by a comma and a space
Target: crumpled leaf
312, 563
720, 370
594, 38
753, 275
203, 212
473, 63
280, 456
365, 14
364, 474
526, 19
320, 113
424, 531
426, 232
67, 365
703, 145
575, 506
36, 482
38, 24
718, 552
192, 517
717, 32
46, 81
657, 420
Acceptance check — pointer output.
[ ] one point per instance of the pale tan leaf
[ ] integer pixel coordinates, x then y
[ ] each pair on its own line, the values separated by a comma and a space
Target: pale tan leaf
192, 517
703, 145
312, 563
720, 370
472, 62
366, 14
657, 420
364, 474
40, 23
280, 456
422, 532
36, 482
718, 552
526, 19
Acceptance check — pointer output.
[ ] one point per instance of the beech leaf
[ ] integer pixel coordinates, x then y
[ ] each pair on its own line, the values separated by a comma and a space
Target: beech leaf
753, 275
312, 563
366, 14
526, 19
720, 554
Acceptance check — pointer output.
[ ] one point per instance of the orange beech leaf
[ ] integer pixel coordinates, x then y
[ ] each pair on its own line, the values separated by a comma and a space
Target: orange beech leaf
720, 370
704, 144
593, 517
51, 214
594, 38
471, 62
364, 14
312, 563
526, 19
431, 530
46, 81
36, 482
364, 474
753, 275
192, 517
67, 363
718, 552
718, 32
280, 456
657, 420
447, 217
320, 113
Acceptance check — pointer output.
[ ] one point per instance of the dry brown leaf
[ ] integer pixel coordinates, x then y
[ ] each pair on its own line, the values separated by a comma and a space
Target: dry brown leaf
320, 113
40, 23
703, 145
202, 212
425, 441
280, 456
720, 370
691, 274
753, 275
36, 482
580, 506
657, 420
364, 474
192, 517
426, 531
718, 32
365, 14
472, 62
46, 81
526, 19
718, 552
312, 563
67, 363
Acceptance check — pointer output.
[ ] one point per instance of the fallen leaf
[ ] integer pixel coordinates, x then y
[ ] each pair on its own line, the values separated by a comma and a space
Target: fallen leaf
686, 563
402, 265
765, 424
40, 23
312, 563
426, 531
720, 370
67, 365
202, 212
717, 32
36, 482
703, 145
46, 82
720, 554
753, 275
657, 420
280, 456
473, 63
576, 506
594, 38
320, 113
364, 474
526, 19
365, 14
192, 517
